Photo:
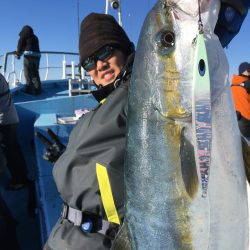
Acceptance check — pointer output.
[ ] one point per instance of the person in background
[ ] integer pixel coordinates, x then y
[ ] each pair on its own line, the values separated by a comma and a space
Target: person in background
241, 97
28, 46
89, 174
9, 144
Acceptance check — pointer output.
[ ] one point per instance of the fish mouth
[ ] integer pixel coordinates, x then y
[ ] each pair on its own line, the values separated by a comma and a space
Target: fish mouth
179, 12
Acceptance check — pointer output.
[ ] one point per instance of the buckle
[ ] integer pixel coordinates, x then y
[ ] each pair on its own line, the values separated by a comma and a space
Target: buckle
65, 211
89, 223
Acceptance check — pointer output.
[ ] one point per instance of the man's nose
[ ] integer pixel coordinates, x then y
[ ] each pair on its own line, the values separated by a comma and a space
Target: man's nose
100, 65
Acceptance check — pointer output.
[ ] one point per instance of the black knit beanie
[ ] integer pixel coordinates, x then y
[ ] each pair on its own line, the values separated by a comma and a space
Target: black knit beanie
98, 30
245, 66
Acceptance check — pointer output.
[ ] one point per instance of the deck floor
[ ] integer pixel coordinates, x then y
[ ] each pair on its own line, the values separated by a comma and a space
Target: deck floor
49, 90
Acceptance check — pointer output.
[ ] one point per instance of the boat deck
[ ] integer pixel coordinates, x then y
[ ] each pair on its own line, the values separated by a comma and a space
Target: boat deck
50, 89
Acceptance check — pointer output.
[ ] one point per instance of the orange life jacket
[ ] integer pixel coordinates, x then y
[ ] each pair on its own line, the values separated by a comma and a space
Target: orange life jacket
240, 96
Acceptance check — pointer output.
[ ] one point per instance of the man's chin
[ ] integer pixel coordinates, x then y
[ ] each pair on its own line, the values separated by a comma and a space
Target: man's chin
108, 82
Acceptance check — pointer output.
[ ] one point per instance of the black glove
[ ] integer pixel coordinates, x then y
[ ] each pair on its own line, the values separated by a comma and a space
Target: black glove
54, 149
17, 55
247, 86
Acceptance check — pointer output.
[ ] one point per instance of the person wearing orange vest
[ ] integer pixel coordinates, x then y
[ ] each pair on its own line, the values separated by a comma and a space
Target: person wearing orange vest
241, 96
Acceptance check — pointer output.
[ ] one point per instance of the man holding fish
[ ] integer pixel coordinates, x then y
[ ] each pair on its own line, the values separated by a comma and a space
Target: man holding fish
171, 200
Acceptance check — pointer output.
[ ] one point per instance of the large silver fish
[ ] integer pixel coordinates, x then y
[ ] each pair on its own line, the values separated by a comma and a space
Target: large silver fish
164, 204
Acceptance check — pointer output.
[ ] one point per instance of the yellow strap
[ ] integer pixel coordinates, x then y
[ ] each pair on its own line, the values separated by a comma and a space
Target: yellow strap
103, 100
106, 194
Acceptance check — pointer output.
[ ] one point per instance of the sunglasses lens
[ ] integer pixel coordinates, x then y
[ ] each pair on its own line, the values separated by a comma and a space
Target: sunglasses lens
89, 64
102, 55
105, 53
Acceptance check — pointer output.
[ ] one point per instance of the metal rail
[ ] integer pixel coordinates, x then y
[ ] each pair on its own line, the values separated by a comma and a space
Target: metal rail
13, 70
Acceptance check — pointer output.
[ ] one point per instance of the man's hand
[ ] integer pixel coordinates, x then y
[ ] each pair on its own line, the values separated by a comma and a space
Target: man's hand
53, 149
247, 86
18, 56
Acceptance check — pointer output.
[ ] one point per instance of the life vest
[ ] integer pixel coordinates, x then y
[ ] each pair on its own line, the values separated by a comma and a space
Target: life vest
240, 96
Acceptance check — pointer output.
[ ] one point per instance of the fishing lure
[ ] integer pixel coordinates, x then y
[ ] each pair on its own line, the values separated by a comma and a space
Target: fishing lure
202, 120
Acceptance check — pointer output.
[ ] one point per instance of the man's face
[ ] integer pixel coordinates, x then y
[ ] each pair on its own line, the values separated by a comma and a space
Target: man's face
106, 71
246, 73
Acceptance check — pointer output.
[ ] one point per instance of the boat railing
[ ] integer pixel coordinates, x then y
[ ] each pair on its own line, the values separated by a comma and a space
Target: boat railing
53, 65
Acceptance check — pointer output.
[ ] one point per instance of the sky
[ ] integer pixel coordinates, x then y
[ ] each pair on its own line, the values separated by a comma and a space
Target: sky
55, 22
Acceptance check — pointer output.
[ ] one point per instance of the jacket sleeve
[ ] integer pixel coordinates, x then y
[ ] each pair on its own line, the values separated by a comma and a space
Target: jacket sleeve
231, 16
21, 46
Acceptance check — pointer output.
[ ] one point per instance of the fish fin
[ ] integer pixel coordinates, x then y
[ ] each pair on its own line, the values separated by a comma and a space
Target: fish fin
121, 241
246, 157
188, 166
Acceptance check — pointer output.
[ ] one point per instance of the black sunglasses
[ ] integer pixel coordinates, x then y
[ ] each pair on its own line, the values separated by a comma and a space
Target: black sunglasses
102, 54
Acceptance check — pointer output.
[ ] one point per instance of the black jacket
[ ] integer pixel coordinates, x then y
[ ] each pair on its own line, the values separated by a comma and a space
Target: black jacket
99, 137
28, 41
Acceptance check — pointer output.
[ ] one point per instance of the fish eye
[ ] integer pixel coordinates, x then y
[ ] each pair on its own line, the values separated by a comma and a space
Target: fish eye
165, 40
168, 39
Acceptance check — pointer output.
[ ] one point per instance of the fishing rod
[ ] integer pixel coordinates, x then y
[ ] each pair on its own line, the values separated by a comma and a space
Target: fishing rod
78, 19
